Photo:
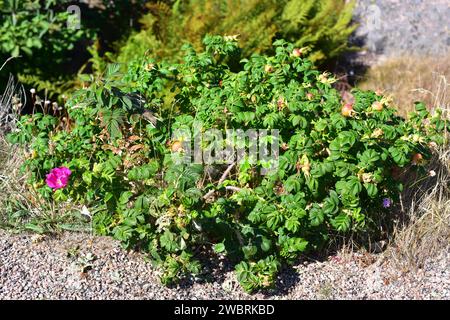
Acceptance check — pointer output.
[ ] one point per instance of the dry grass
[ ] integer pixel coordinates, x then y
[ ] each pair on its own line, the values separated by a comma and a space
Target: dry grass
10, 161
16, 200
411, 78
12, 101
426, 231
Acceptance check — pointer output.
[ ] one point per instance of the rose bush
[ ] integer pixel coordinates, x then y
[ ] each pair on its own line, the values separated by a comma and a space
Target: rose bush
335, 164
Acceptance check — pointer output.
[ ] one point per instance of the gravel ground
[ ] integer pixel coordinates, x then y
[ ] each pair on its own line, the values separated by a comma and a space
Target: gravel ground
390, 27
36, 267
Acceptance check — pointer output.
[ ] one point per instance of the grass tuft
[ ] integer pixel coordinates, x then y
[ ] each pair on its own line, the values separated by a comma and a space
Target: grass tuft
425, 231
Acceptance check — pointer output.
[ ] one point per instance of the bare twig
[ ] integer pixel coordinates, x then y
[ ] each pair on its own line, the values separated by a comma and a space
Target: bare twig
221, 180
231, 188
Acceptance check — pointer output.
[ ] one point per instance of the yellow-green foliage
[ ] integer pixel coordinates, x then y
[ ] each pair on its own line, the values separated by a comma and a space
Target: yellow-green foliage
323, 25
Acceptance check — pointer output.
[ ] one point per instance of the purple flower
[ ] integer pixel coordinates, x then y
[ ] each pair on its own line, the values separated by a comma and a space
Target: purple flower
58, 178
387, 202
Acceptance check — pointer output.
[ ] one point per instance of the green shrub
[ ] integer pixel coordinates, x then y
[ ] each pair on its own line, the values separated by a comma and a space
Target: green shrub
49, 53
334, 173
38, 33
27, 28
323, 25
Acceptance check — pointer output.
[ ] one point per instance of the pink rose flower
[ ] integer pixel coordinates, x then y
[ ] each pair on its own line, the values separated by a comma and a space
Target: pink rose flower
58, 178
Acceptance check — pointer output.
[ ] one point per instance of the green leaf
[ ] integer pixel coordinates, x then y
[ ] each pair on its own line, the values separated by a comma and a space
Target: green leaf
127, 103
292, 224
266, 244
112, 69
354, 186
316, 216
87, 177
369, 158
168, 242
331, 204
399, 156
219, 248
372, 190
301, 244
341, 222
249, 251
34, 228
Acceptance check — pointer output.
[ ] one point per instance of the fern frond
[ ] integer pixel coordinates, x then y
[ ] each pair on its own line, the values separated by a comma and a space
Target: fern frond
323, 25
